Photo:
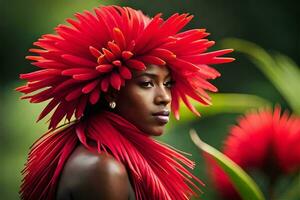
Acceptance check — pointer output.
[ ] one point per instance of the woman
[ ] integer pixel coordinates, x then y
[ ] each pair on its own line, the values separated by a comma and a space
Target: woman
118, 74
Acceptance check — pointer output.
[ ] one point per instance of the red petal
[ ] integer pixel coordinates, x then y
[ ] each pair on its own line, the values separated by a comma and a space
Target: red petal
101, 59
207, 72
175, 103
71, 72
126, 55
71, 34
52, 104
94, 96
115, 81
131, 46
152, 60
69, 47
220, 60
78, 60
115, 49
125, 72
191, 35
198, 94
95, 52
217, 53
35, 58
65, 84
75, 23
90, 86
46, 82
105, 84
74, 94
59, 113
119, 38
163, 54
188, 104
148, 33
52, 37
210, 57
40, 74
109, 55
87, 76
70, 110
135, 64
193, 32
104, 68
81, 106
187, 47
80, 132
183, 65
117, 63
41, 96
50, 64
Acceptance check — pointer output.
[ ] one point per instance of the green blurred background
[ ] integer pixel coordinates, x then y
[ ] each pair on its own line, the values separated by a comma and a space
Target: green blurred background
272, 24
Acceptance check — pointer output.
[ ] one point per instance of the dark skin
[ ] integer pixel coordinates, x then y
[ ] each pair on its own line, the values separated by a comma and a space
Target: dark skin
88, 175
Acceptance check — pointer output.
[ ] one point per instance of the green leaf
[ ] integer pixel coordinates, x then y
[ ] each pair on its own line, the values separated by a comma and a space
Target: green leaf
244, 185
279, 69
223, 103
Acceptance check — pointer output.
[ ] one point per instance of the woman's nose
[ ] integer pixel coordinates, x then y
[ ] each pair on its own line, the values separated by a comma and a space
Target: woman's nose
162, 96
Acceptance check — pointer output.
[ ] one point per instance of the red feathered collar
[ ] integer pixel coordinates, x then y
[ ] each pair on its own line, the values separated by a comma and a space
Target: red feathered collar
156, 170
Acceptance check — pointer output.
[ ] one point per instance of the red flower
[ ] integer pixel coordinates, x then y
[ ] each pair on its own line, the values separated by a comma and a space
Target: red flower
264, 141
98, 51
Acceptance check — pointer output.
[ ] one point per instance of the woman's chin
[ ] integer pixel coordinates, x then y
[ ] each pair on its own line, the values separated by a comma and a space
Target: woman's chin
156, 131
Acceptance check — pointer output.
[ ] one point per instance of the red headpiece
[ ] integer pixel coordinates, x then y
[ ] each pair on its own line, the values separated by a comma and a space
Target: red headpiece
98, 51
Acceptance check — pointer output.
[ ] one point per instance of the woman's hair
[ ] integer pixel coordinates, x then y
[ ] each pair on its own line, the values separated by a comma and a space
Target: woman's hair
93, 109
102, 105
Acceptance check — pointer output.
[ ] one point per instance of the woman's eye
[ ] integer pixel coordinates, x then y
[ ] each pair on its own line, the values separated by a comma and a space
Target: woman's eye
169, 84
147, 84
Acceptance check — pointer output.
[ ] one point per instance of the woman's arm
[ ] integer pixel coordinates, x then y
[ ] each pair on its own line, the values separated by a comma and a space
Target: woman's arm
92, 176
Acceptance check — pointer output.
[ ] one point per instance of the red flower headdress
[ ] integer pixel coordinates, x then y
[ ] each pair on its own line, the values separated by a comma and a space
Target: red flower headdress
98, 51
264, 141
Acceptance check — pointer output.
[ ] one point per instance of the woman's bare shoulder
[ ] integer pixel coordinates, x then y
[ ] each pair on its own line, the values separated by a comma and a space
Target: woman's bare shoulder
89, 175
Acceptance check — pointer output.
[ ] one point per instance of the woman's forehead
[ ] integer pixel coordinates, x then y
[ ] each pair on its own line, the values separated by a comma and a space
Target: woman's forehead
154, 70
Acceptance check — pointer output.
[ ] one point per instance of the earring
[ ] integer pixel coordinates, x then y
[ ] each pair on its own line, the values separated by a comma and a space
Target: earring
112, 104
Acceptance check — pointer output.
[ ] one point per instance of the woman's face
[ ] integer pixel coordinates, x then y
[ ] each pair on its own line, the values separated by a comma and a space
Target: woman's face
145, 99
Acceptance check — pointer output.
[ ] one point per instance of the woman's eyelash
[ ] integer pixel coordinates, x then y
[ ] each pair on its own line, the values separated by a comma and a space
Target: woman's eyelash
150, 83
169, 83
146, 83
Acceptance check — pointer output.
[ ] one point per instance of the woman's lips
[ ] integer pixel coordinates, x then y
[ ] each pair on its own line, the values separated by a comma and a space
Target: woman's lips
162, 116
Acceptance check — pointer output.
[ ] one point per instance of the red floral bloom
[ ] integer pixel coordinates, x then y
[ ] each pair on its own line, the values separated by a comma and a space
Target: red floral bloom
98, 51
264, 141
